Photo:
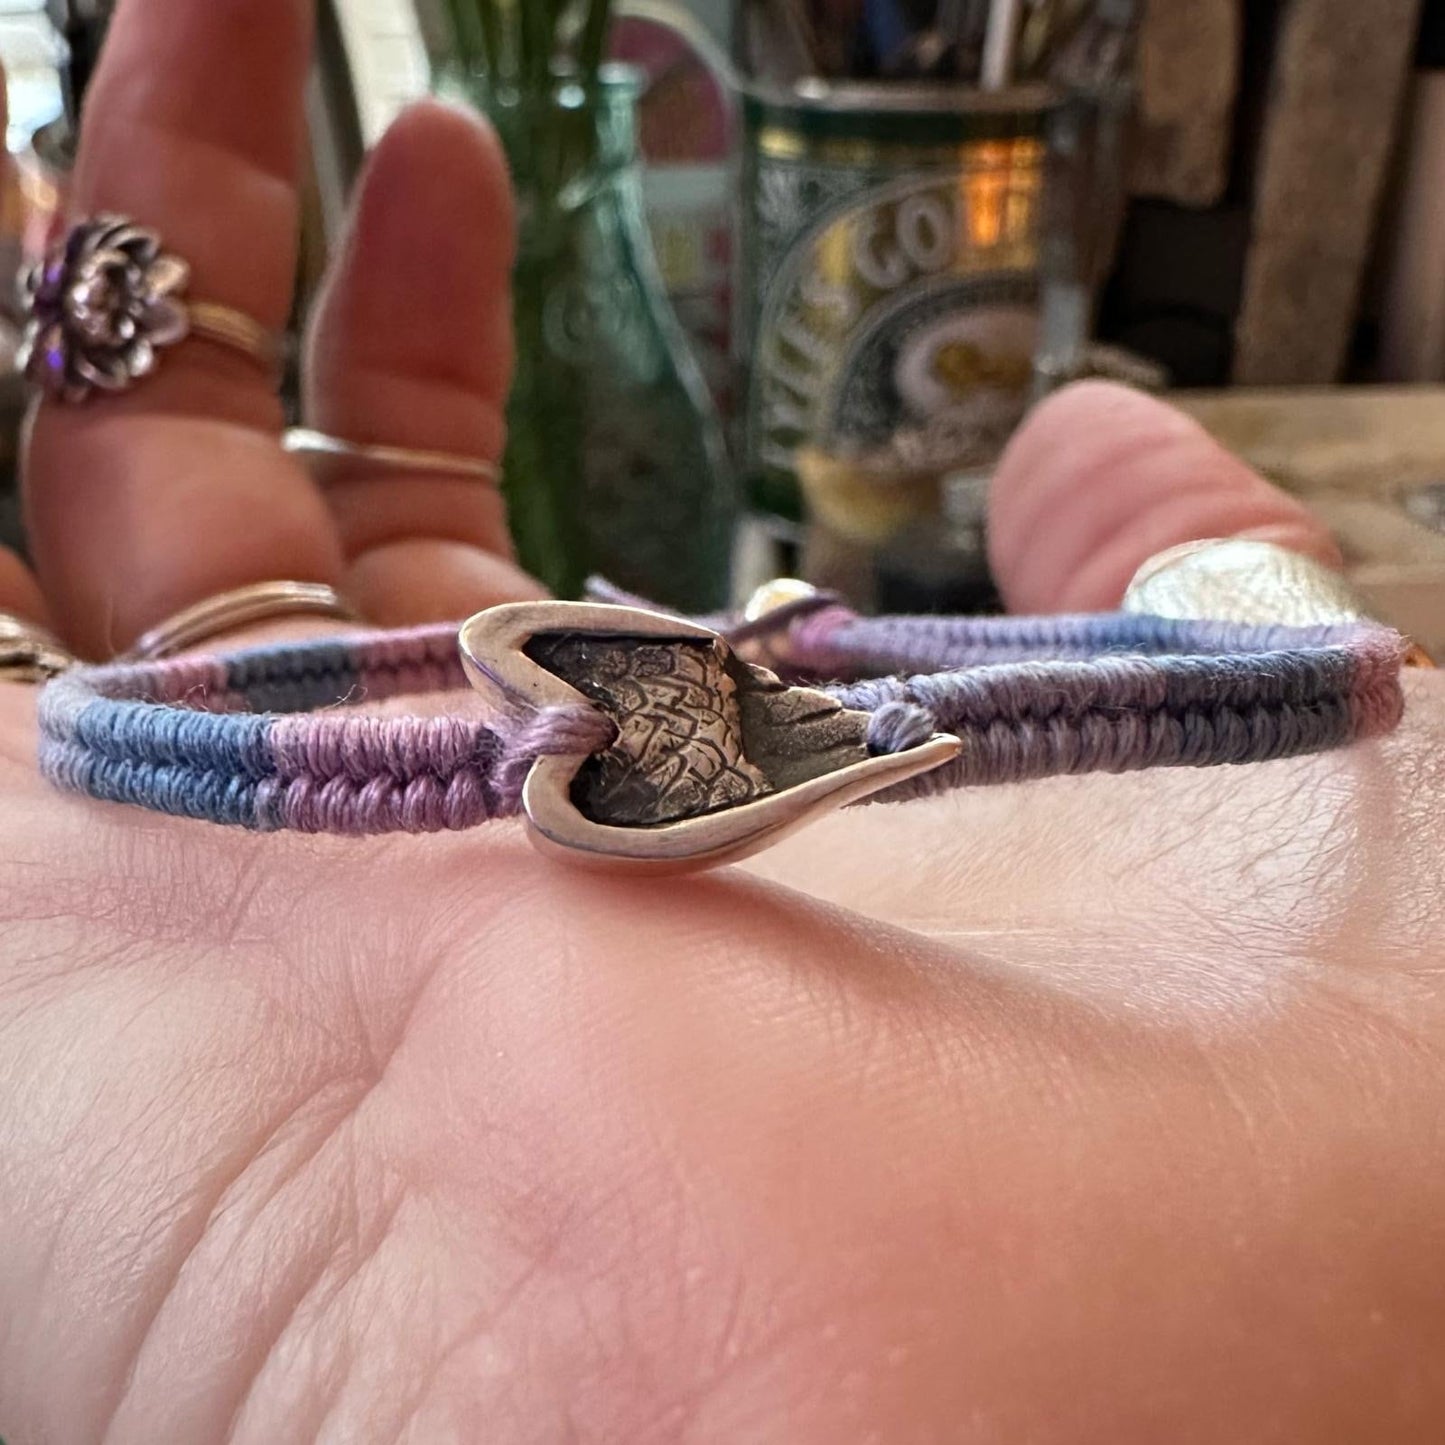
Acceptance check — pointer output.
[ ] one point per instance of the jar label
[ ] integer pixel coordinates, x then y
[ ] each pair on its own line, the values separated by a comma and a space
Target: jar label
894, 306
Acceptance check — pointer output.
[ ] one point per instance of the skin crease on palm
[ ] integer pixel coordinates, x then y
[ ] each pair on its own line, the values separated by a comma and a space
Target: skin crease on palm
1096, 1110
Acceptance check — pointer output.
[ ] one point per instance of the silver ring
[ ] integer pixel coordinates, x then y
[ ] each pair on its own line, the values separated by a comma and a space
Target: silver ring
107, 299
301, 442
245, 606
28, 652
1239, 579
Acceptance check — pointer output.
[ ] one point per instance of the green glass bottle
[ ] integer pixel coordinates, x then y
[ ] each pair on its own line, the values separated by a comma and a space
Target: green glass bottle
616, 462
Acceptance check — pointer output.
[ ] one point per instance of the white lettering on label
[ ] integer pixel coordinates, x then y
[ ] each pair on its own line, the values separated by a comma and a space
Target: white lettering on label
794, 331
889, 246
782, 414
837, 301
881, 265
925, 232
788, 374
916, 237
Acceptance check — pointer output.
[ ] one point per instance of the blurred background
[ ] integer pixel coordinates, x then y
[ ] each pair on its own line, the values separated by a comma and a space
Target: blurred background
791, 271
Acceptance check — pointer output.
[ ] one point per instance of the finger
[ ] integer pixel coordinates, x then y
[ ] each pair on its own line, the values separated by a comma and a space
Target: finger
412, 347
1102, 478
19, 591
142, 504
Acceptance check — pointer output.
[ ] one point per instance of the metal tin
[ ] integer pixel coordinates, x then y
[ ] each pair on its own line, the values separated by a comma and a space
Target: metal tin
888, 296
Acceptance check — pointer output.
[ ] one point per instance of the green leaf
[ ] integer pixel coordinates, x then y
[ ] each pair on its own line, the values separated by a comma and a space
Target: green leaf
467, 38
593, 44
535, 35
491, 23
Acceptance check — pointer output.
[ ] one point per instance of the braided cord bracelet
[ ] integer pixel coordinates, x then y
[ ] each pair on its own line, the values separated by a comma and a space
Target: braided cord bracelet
632, 737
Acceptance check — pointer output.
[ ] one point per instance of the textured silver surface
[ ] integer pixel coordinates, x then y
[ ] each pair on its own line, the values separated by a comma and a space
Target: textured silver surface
698, 730
29, 653
101, 304
1238, 580
697, 727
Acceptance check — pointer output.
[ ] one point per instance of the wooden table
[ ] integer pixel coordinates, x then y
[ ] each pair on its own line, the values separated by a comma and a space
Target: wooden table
1370, 461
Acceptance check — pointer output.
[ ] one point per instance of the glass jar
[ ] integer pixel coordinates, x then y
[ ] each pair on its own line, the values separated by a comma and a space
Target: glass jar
910, 255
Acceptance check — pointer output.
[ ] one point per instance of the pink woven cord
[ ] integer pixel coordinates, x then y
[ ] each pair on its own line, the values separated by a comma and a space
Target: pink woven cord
360, 747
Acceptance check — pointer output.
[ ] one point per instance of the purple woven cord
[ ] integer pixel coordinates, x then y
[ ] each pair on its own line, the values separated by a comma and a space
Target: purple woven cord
271, 738
1124, 712
174, 736
834, 643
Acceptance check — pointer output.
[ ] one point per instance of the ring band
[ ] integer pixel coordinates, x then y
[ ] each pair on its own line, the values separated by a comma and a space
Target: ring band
228, 327
245, 606
302, 442
107, 299
28, 652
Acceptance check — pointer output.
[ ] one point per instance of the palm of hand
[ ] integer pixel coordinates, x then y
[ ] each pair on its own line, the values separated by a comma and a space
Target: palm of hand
431, 1140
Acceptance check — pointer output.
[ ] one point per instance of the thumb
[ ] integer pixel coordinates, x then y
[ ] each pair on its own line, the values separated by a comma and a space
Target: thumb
1101, 478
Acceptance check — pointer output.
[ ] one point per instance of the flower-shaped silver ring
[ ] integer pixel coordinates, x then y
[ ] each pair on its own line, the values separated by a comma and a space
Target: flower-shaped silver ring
107, 299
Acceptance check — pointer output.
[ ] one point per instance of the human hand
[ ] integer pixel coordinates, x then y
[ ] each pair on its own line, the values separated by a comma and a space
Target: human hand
1102, 1109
